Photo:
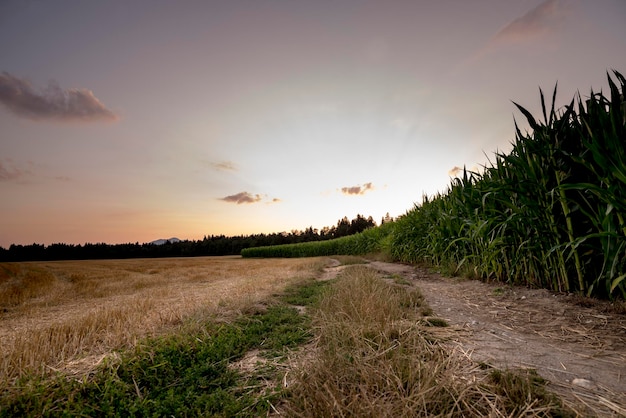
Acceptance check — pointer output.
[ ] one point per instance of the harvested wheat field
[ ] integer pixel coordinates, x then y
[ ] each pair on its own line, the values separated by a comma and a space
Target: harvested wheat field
69, 315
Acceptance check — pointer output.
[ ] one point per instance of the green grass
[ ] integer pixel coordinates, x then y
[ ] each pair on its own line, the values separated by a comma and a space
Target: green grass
306, 293
398, 279
435, 322
185, 374
517, 387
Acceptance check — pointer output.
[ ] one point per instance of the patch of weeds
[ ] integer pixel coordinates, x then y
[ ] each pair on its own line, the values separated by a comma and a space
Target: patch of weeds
433, 321
426, 311
518, 386
305, 294
398, 279
498, 291
280, 327
185, 374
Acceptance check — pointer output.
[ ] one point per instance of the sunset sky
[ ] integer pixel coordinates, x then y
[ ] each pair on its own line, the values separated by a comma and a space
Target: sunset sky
125, 121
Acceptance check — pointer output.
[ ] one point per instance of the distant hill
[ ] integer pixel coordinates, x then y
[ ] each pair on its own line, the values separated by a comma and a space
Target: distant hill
163, 241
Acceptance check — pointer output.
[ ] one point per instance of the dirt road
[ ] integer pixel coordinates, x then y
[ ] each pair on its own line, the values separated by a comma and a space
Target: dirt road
580, 350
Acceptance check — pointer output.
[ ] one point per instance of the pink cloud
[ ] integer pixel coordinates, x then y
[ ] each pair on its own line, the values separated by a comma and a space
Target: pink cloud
9, 172
53, 103
537, 23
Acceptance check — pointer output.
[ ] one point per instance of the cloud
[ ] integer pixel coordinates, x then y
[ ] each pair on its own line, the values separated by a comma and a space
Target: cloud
357, 190
537, 23
224, 166
53, 103
454, 171
245, 197
9, 172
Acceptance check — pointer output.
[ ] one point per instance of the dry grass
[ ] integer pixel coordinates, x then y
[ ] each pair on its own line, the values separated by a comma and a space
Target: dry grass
68, 315
18, 284
376, 358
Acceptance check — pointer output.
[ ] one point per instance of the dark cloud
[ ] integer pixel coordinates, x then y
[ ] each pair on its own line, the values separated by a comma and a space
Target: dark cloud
53, 103
538, 22
245, 197
357, 190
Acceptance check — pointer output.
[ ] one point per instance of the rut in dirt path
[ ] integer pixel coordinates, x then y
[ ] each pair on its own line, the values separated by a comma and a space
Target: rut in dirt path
580, 350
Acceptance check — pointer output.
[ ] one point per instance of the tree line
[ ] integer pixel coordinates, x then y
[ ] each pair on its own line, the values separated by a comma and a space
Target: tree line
214, 245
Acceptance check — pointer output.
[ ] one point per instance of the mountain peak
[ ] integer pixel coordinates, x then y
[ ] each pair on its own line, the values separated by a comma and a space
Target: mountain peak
162, 241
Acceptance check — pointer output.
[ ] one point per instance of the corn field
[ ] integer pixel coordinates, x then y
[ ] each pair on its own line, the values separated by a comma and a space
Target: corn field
549, 214
369, 241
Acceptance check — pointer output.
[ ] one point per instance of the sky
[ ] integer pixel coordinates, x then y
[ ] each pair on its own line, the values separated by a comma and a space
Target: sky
128, 121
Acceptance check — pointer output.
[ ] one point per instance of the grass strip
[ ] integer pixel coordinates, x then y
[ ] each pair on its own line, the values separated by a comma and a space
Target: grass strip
184, 374
375, 356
